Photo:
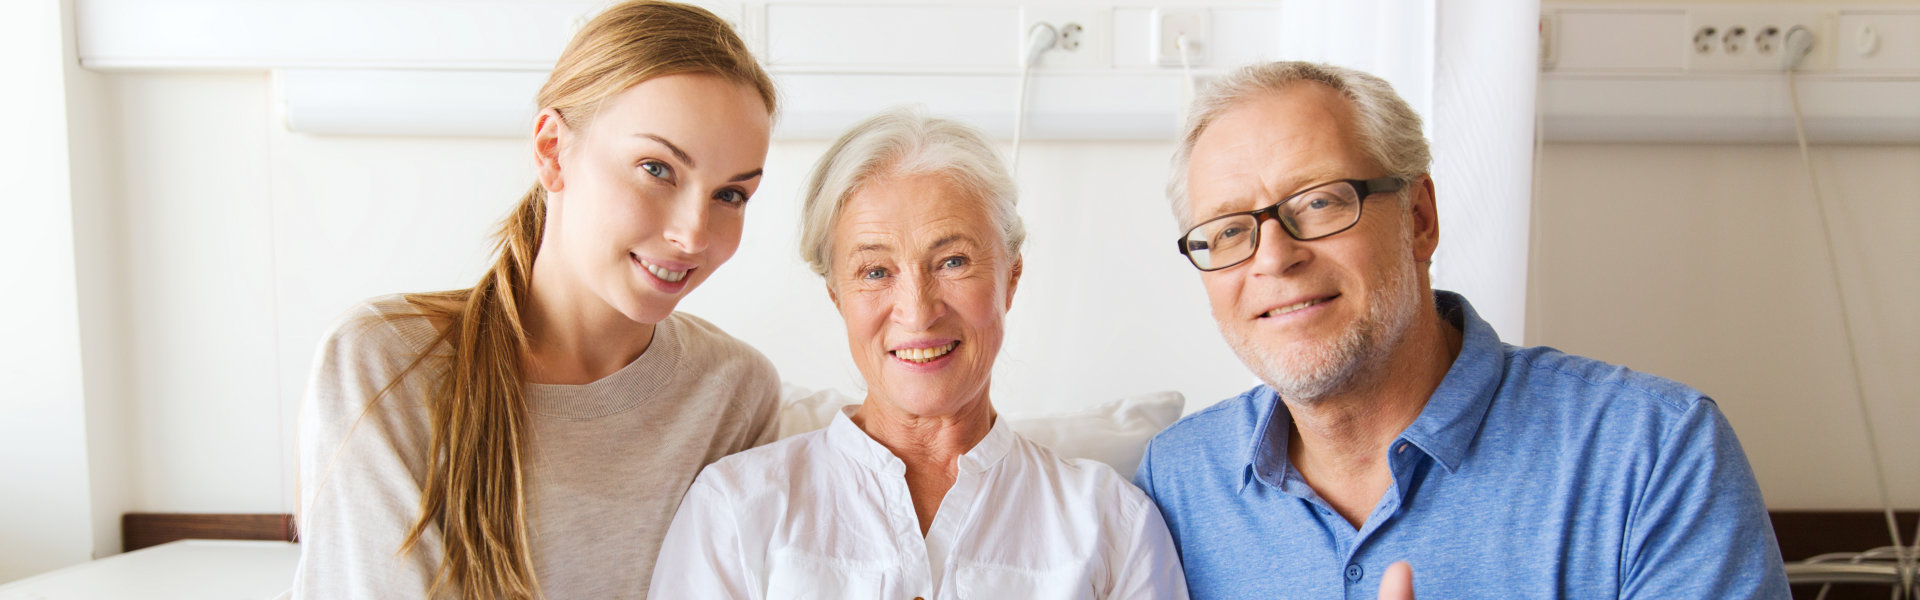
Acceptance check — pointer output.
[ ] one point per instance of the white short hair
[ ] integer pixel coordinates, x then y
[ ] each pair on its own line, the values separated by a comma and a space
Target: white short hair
903, 142
1388, 129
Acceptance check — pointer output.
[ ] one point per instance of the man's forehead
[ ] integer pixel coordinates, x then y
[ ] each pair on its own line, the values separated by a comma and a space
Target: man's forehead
1270, 146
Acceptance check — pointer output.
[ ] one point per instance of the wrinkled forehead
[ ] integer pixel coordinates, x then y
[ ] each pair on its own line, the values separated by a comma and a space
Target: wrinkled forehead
912, 214
1268, 146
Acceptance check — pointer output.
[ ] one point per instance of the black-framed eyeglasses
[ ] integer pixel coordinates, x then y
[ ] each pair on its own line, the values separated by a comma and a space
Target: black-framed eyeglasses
1316, 212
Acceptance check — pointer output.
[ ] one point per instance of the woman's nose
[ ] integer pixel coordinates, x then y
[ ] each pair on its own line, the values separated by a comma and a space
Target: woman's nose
686, 226
919, 304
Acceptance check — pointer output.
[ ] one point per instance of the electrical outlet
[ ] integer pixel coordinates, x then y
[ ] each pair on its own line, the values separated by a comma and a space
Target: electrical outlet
1170, 26
1083, 32
1752, 38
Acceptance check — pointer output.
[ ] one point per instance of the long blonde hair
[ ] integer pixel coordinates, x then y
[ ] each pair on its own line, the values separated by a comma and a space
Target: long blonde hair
476, 480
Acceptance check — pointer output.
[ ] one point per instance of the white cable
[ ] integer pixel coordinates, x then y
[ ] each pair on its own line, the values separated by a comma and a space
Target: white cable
1902, 555
1040, 38
1186, 80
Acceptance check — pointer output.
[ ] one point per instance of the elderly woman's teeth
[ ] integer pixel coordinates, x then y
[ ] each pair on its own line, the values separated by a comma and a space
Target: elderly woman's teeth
921, 355
669, 276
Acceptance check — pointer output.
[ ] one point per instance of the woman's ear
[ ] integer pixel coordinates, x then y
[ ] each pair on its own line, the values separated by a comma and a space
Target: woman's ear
550, 134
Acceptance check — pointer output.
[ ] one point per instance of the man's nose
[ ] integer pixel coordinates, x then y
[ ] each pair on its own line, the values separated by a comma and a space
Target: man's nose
1278, 252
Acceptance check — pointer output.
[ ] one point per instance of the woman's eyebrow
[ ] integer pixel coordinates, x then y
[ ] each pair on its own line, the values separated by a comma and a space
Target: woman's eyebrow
687, 158
677, 152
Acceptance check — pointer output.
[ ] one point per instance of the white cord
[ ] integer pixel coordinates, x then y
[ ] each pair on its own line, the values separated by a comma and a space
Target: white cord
1186, 80
1040, 38
1902, 555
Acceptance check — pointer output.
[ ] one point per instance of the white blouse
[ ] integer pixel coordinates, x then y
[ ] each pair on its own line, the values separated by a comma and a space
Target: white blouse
827, 515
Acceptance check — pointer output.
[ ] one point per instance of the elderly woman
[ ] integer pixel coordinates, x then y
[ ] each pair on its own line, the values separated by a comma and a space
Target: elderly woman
921, 491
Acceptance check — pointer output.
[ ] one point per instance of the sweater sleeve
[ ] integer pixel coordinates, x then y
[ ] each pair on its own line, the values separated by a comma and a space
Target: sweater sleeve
767, 402
361, 464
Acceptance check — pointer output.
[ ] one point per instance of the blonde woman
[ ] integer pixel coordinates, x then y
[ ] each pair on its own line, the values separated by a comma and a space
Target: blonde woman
531, 436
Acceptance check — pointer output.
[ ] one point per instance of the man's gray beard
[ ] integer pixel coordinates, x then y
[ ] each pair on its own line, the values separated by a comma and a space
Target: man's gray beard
1329, 368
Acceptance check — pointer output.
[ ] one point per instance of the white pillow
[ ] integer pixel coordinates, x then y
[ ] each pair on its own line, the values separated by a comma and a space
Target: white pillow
1115, 432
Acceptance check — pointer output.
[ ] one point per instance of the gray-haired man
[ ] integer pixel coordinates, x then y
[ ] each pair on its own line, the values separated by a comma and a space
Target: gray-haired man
1394, 425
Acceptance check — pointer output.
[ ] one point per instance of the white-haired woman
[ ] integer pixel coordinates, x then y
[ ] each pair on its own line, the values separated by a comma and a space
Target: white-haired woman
919, 492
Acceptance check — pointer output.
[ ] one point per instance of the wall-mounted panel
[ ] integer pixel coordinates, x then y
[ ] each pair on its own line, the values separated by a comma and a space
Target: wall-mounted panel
1597, 40
1717, 72
905, 36
240, 34
1878, 41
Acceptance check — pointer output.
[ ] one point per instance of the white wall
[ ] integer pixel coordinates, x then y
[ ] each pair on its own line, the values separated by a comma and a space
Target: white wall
212, 247
43, 412
355, 217
1705, 264
247, 240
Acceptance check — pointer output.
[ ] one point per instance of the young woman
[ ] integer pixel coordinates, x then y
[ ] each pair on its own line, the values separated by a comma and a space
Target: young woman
532, 435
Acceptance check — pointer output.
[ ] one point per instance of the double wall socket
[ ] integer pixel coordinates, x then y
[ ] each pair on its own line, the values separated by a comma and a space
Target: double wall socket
1753, 38
1084, 33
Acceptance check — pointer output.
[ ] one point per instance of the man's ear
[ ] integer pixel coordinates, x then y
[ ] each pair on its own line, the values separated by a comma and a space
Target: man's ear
1425, 217
550, 134
1013, 279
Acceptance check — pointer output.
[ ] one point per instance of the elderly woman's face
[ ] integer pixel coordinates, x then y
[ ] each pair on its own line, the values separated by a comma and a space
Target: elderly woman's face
923, 279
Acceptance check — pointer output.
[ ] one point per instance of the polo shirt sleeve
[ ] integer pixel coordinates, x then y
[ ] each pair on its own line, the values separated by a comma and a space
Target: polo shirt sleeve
1700, 528
701, 556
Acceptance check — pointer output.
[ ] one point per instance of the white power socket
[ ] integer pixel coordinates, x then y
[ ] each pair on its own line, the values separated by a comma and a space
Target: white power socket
1169, 24
1752, 38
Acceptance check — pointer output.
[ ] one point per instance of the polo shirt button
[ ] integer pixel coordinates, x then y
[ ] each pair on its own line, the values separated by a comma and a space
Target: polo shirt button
1354, 572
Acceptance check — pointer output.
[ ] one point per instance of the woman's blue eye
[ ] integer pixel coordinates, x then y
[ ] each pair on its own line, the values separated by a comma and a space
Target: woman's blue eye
657, 169
874, 273
732, 196
954, 262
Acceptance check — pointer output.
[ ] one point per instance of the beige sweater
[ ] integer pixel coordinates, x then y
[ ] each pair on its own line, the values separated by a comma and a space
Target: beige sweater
609, 460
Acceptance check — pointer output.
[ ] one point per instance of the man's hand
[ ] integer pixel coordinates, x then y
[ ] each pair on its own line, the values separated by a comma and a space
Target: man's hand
1397, 582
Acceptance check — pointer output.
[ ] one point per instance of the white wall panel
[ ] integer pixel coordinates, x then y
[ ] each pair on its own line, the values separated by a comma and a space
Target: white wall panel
46, 500
915, 37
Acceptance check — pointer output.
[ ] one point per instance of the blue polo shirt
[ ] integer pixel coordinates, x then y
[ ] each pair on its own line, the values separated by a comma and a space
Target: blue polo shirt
1530, 473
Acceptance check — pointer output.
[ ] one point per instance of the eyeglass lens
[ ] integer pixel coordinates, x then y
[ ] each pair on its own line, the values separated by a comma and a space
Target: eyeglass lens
1315, 213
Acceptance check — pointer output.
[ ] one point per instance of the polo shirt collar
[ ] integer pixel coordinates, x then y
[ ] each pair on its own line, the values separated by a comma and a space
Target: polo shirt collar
1451, 420
1445, 428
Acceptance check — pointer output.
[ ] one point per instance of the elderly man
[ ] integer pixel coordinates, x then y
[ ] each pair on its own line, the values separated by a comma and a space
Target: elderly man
1394, 425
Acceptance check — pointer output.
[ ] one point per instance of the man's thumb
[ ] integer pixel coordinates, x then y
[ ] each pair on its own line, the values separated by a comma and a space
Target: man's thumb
1397, 582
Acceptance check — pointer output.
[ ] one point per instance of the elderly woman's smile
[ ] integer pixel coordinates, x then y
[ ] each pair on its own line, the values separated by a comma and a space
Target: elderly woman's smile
924, 281
921, 355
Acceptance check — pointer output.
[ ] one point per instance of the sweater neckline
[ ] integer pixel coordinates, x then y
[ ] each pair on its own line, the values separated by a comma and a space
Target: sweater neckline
618, 392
